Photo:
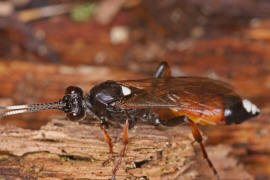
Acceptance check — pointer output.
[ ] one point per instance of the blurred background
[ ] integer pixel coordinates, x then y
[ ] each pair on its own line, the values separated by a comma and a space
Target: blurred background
47, 45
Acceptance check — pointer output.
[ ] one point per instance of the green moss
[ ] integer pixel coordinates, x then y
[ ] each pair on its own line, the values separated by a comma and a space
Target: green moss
83, 12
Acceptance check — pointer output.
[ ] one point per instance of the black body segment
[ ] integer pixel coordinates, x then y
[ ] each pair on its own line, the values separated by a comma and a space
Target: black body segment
102, 98
237, 110
73, 101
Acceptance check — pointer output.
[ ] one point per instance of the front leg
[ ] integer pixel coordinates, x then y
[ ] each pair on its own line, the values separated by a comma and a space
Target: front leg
104, 125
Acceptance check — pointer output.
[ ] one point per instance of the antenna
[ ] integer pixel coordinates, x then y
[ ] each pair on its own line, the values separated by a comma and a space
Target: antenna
19, 109
71, 104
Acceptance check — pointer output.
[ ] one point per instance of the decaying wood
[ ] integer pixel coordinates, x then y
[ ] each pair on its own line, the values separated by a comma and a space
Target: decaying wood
69, 150
66, 149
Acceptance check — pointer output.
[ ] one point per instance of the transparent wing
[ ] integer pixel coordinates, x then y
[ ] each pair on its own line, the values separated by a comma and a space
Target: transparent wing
177, 92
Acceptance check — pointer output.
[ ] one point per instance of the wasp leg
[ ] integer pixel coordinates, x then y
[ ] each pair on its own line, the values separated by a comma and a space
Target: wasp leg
197, 136
165, 124
122, 154
163, 70
109, 142
174, 121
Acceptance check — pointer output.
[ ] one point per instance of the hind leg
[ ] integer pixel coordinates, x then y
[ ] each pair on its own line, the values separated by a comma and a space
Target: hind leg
198, 138
163, 70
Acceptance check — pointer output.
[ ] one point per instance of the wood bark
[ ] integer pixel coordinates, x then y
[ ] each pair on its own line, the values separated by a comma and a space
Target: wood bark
69, 150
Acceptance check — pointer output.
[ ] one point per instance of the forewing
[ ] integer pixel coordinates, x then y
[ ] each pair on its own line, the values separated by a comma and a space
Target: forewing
177, 92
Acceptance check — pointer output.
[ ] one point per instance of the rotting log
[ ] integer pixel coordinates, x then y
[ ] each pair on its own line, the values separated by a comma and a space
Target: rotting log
65, 149
69, 150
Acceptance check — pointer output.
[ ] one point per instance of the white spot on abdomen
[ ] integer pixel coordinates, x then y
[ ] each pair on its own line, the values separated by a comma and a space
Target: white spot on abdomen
250, 107
125, 90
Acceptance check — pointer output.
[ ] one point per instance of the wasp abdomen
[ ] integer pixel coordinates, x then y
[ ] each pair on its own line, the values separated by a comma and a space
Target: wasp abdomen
237, 110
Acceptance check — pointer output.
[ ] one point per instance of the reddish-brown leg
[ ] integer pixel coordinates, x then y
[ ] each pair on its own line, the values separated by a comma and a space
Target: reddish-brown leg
198, 137
109, 141
163, 70
122, 154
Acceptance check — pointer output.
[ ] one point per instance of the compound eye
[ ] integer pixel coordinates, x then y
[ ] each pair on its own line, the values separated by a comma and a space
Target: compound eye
76, 114
74, 90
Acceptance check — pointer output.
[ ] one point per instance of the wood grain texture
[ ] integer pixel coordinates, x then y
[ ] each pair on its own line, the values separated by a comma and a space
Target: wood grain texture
64, 149
69, 150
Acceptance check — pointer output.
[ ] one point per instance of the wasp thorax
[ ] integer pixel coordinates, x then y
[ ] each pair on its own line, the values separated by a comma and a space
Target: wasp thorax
103, 96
